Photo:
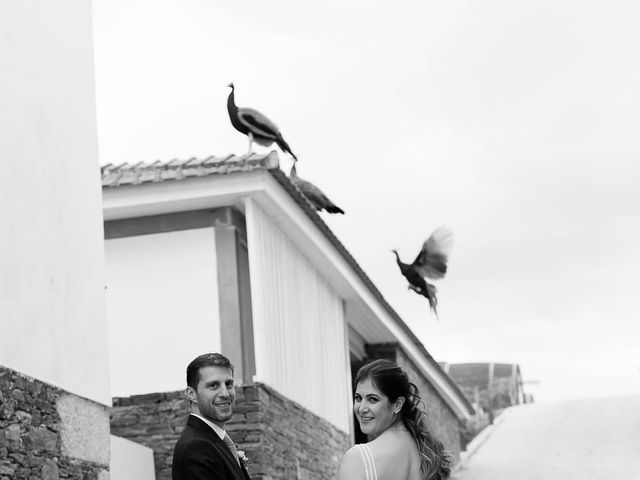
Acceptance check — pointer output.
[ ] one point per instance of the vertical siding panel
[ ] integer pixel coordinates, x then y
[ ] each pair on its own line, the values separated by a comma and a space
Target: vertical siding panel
300, 339
258, 305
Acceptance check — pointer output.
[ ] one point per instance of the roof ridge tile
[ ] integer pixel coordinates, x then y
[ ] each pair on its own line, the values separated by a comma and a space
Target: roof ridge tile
114, 175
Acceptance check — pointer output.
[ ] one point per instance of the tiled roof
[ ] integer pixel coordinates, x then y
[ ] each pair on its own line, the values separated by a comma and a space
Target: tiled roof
505, 370
477, 374
144, 172
470, 374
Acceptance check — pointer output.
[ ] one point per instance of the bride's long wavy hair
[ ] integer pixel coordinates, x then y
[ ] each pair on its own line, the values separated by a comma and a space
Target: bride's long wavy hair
394, 382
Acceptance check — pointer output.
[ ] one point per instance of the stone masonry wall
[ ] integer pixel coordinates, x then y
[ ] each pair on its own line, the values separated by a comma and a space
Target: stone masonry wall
445, 424
35, 442
155, 421
282, 440
296, 444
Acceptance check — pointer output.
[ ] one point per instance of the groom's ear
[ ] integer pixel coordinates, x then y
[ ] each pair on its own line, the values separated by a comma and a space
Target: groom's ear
191, 394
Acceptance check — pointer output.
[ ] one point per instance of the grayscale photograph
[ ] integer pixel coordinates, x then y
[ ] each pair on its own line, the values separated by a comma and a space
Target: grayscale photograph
337, 240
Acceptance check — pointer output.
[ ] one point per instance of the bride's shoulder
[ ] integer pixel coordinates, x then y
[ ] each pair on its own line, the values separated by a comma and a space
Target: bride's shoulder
351, 466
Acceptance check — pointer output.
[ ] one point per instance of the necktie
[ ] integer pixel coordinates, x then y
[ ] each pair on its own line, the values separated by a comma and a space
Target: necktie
232, 447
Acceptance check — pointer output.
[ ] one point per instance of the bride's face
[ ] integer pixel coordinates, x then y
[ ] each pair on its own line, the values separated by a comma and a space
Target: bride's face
373, 409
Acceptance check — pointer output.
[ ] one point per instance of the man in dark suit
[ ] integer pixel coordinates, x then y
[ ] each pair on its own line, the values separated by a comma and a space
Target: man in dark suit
204, 451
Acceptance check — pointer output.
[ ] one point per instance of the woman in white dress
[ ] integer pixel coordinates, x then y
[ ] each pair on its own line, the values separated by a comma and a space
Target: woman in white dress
401, 445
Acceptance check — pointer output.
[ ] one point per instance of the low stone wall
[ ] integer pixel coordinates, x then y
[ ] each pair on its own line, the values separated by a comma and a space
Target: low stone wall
49, 434
295, 443
155, 421
282, 440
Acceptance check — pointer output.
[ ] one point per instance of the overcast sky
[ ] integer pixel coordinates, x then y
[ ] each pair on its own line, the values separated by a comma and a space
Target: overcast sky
514, 123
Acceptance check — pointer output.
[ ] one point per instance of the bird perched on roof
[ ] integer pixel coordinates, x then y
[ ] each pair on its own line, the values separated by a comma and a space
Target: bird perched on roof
255, 125
431, 262
315, 196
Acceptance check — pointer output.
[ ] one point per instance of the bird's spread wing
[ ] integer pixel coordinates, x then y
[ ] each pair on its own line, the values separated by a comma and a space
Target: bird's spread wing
431, 262
258, 124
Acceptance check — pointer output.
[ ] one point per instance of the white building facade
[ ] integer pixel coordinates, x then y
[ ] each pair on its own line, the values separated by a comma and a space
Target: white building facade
54, 368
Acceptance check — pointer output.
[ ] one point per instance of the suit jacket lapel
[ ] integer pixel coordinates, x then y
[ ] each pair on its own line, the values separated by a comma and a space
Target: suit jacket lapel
223, 450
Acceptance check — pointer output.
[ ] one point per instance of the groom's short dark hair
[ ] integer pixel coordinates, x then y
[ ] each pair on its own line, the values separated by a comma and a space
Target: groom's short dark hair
205, 360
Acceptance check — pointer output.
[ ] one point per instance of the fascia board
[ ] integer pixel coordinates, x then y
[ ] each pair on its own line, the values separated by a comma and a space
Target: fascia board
131, 201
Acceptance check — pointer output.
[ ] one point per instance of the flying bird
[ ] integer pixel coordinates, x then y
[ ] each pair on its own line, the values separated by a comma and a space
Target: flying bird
318, 199
255, 125
431, 263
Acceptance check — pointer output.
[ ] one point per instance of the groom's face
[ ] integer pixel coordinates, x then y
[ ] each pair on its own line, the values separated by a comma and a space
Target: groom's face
215, 395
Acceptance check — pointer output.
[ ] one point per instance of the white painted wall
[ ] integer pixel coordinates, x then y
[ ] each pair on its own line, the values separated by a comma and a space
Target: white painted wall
162, 305
52, 308
130, 461
300, 330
